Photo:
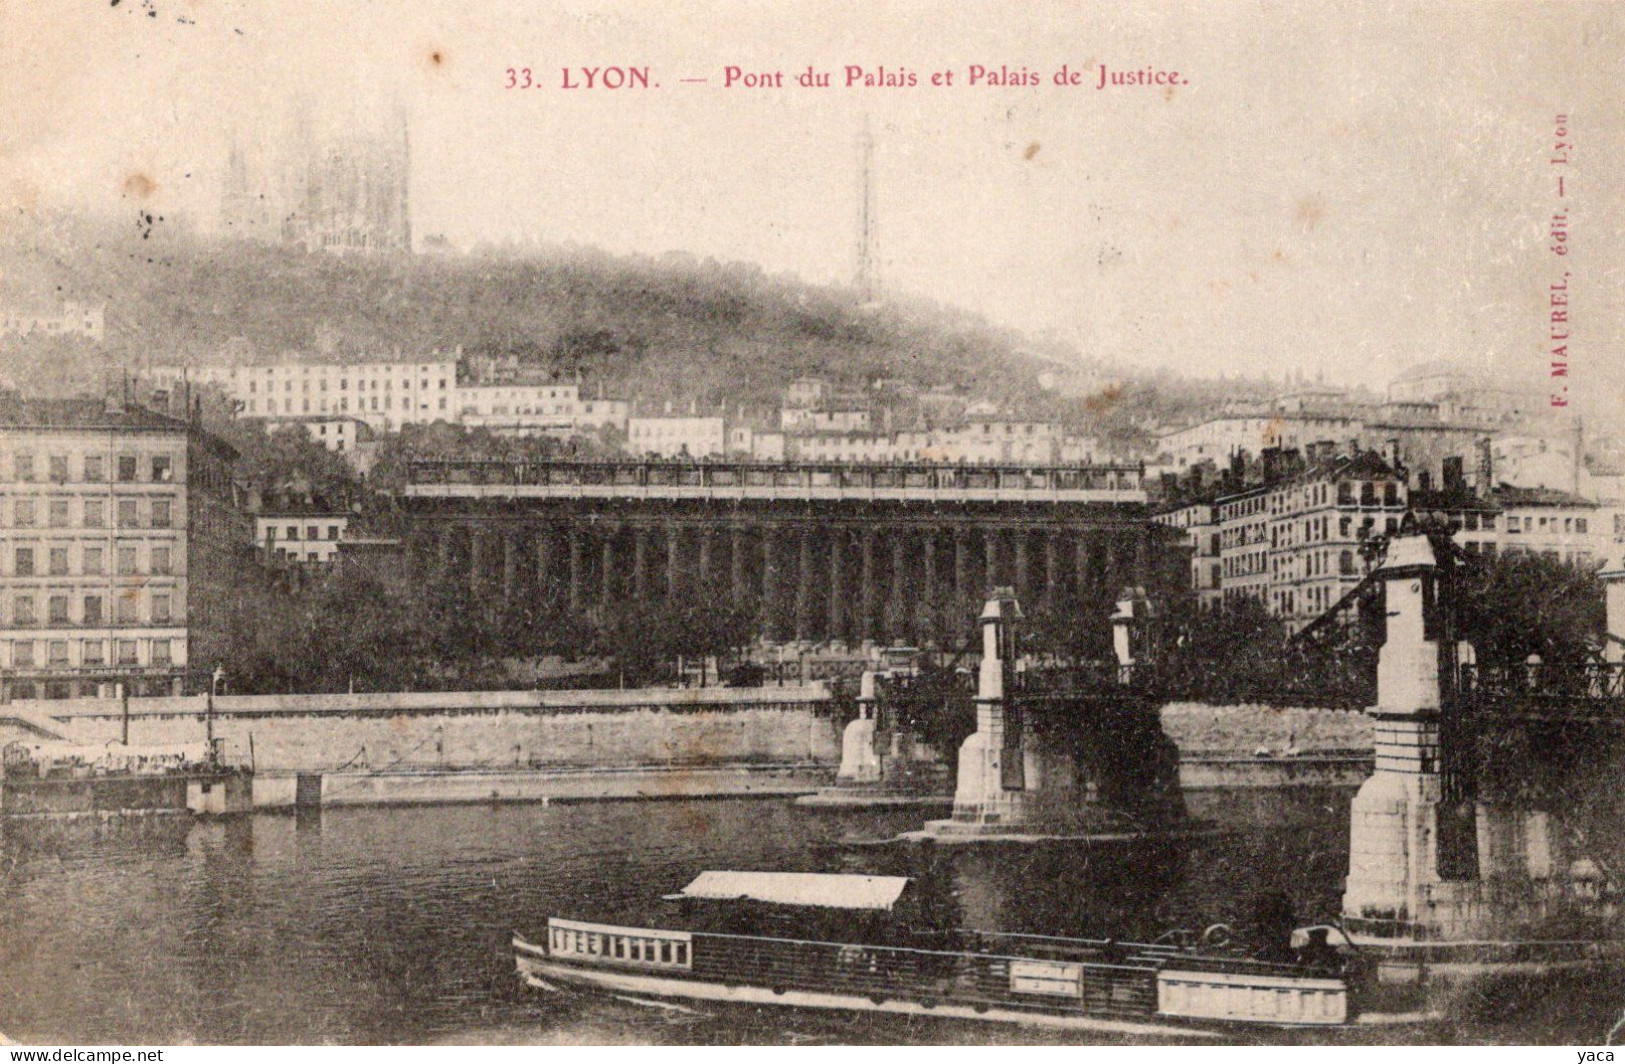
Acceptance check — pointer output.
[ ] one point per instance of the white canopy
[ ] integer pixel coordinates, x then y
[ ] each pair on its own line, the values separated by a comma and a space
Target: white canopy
827, 890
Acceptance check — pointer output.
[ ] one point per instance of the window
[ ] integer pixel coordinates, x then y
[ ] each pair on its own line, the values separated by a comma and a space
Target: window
22, 609
333, 531
93, 560
126, 513
93, 468
160, 609
163, 468
312, 532
126, 652
22, 654
293, 532
126, 561
25, 561
23, 466
92, 652
25, 513
95, 513
125, 608
160, 652
56, 652
161, 564
93, 609
1580, 525
58, 561
126, 468
58, 468
160, 513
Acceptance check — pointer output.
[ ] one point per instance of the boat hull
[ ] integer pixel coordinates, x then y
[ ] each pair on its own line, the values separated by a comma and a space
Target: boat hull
546, 974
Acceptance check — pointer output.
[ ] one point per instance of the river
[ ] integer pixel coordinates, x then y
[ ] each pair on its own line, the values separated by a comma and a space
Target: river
390, 925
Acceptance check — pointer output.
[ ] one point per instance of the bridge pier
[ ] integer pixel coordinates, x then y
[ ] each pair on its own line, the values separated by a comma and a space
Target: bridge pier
1433, 863
1065, 754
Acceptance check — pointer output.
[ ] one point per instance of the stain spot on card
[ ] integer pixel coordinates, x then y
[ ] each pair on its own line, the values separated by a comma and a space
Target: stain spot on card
1310, 211
140, 185
1032, 150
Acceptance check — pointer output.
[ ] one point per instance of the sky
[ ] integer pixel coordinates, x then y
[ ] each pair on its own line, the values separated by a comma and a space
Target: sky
1345, 190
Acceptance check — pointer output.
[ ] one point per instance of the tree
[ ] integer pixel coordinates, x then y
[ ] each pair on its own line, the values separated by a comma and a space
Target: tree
1515, 605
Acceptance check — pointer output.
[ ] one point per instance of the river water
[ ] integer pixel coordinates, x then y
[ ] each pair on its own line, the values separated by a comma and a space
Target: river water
391, 925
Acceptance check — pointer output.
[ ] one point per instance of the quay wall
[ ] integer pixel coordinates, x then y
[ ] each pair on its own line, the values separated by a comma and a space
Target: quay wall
497, 730
1205, 731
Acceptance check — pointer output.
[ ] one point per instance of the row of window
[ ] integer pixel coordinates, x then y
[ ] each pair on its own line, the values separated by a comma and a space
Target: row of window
92, 513
1570, 525
93, 653
344, 385
159, 468
92, 561
291, 532
126, 609
343, 405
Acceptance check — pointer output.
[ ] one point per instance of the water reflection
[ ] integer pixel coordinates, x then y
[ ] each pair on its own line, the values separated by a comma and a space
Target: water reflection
391, 925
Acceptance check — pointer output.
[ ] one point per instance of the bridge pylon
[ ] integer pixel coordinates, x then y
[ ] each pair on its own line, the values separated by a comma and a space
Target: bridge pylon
1441, 873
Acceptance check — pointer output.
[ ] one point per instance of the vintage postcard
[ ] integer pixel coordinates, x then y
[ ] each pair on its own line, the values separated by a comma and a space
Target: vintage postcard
811, 523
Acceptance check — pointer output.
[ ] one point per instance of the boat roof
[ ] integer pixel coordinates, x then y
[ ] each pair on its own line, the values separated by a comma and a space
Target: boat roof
820, 889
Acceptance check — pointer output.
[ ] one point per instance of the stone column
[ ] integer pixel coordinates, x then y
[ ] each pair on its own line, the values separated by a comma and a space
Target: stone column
1023, 583
736, 565
836, 591
898, 626
673, 551
866, 617
927, 597
770, 580
1080, 565
544, 563
962, 588
607, 576
578, 570
990, 552
804, 587
443, 552
706, 536
1052, 567
479, 561
640, 564
510, 567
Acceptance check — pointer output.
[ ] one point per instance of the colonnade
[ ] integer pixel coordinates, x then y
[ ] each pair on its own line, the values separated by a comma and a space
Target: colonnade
803, 579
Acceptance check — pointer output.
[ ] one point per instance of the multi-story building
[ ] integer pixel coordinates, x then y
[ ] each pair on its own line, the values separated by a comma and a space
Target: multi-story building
1220, 439
841, 419
1244, 537
1554, 523
299, 529
119, 535
68, 319
1318, 520
672, 436
1199, 520
384, 395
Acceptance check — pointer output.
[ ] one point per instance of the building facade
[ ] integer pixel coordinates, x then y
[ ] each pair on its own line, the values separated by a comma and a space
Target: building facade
118, 528
68, 319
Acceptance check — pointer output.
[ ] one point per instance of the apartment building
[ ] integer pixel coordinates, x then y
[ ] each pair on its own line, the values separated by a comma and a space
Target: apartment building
118, 538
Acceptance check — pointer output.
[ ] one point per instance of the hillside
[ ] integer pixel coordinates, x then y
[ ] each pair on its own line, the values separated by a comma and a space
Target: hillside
673, 328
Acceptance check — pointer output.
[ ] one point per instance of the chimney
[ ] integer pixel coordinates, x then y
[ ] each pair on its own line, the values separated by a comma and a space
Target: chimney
1486, 467
1452, 473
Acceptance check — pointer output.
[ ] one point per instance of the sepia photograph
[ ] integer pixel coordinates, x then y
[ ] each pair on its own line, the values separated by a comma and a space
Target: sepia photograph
812, 523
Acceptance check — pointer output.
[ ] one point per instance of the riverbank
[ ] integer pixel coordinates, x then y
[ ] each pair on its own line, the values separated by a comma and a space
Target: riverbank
292, 791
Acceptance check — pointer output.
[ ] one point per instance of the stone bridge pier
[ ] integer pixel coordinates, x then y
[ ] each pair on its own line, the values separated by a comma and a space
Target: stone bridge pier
1439, 868
1065, 752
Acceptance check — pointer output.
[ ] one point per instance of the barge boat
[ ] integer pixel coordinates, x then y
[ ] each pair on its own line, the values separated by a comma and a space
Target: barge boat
825, 941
